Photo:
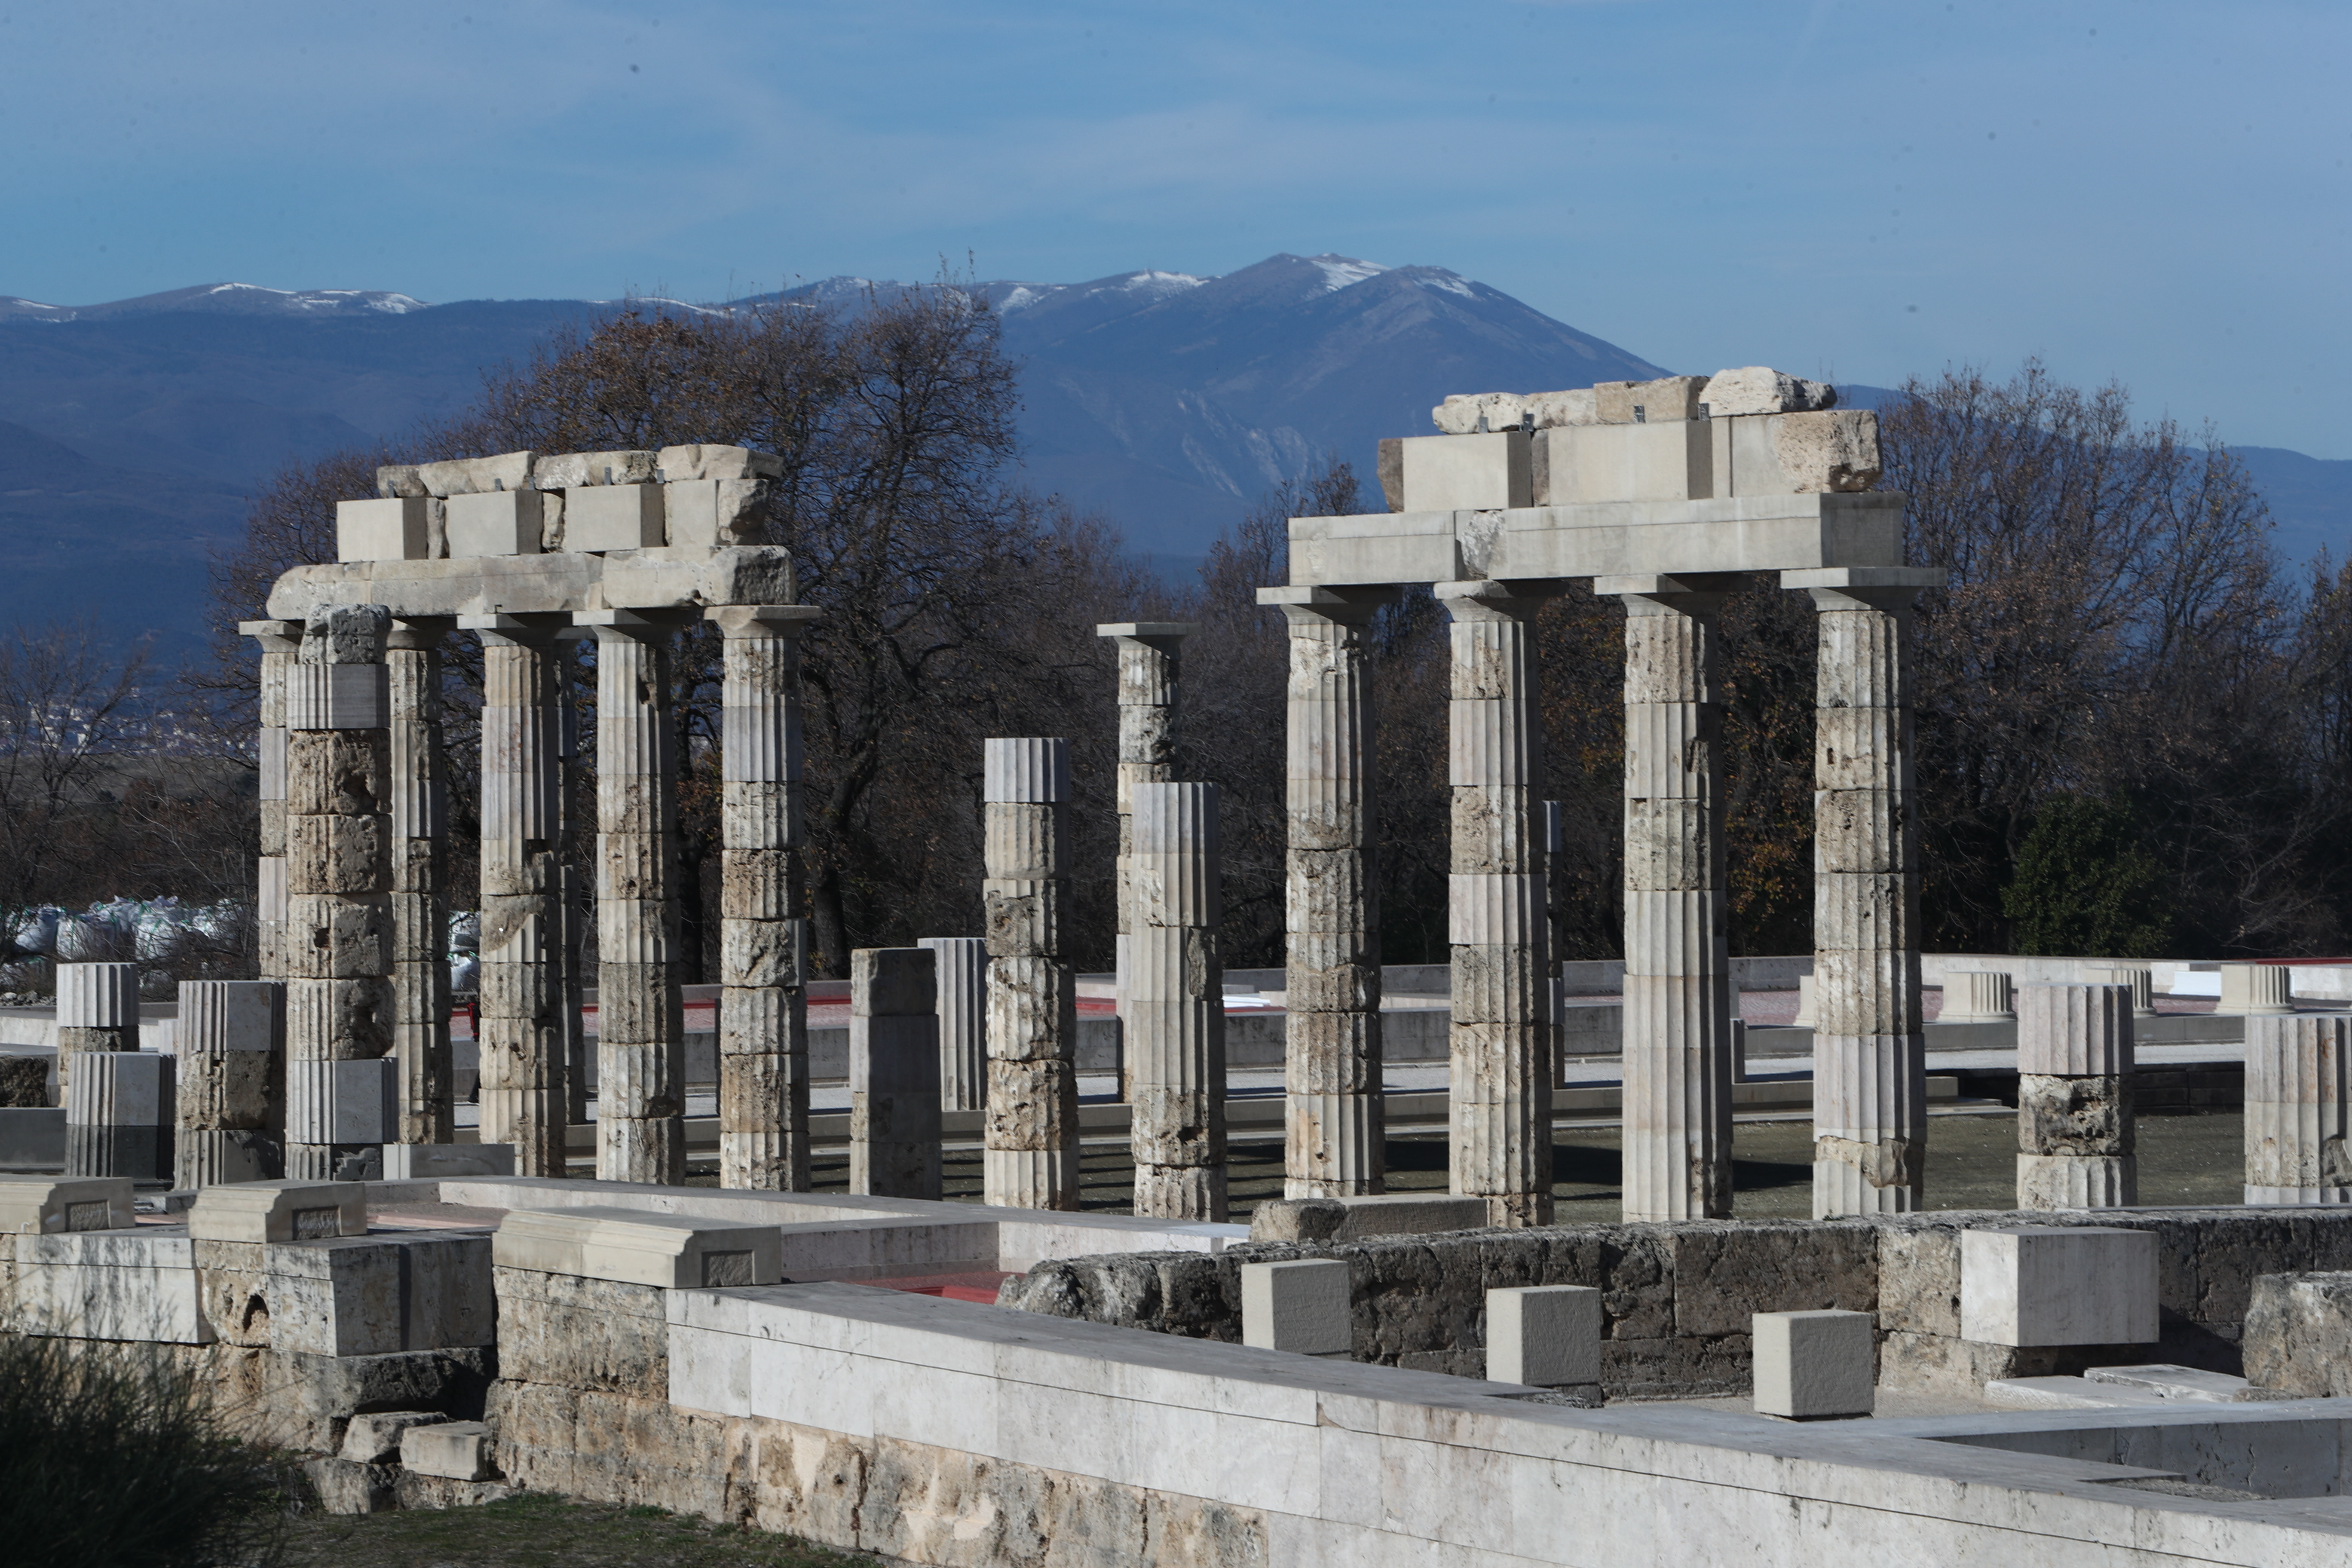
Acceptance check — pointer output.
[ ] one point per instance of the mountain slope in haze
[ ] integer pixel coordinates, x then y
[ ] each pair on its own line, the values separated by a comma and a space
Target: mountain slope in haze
131, 432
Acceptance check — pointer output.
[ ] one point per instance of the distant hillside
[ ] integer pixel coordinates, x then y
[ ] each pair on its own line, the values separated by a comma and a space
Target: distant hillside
131, 432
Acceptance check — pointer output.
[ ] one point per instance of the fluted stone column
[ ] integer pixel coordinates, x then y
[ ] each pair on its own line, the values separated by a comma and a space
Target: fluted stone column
2298, 1081
1978, 996
1870, 1111
420, 904
2256, 990
230, 1045
2075, 1130
2139, 976
641, 1029
1150, 664
340, 1091
764, 1091
97, 1010
1031, 1158
1335, 1117
1679, 1005
894, 1080
1501, 1032
520, 1034
961, 986
1176, 1004
280, 642
575, 886
120, 1115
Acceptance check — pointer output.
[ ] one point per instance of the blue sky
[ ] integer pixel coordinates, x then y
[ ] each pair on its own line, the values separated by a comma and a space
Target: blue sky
2151, 191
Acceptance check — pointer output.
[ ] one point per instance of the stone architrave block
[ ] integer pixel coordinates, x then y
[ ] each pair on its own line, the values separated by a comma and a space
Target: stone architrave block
456, 1450
496, 522
279, 1211
662, 579
1021, 771
98, 995
600, 518
665, 1251
1550, 410
441, 1162
1467, 473
379, 1295
571, 470
398, 528
1301, 1306
473, 476
1814, 1364
342, 1100
1546, 1336
2256, 989
2058, 1285
46, 1205
1478, 413
1580, 464
672, 463
1761, 389
120, 1088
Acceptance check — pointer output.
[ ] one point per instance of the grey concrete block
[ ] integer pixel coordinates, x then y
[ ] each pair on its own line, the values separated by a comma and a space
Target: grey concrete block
395, 528
1811, 1364
598, 518
498, 522
434, 1162
1548, 1336
2058, 1285
1300, 1306
33, 1137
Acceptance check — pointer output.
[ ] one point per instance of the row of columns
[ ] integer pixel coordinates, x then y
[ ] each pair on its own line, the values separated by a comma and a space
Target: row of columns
353, 912
1870, 1055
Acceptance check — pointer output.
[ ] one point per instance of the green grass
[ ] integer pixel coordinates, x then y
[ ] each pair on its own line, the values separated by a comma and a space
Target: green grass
537, 1531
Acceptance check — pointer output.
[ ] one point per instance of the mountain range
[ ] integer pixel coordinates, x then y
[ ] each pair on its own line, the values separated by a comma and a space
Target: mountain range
131, 432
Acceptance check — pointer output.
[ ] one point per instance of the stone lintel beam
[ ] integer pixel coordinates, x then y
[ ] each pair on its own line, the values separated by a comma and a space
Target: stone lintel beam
687, 577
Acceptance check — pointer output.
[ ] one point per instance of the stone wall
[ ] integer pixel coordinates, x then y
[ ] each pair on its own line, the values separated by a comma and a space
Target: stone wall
1678, 1297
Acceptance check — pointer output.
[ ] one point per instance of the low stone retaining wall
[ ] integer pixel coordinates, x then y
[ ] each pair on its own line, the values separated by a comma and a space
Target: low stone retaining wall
1678, 1297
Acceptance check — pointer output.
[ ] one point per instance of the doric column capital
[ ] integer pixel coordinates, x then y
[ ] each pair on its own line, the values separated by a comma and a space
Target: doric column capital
1161, 637
531, 630
419, 633
275, 636
1487, 599
633, 625
763, 620
1676, 594
1890, 589
1351, 606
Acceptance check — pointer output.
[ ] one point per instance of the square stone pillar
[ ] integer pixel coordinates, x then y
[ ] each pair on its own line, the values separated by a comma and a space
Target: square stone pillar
2298, 1080
280, 642
1679, 1007
763, 1092
230, 1046
339, 931
1870, 1065
2075, 1131
893, 1079
1176, 1005
1151, 665
640, 1022
520, 1034
1334, 1122
1501, 1033
962, 990
1031, 1158
420, 903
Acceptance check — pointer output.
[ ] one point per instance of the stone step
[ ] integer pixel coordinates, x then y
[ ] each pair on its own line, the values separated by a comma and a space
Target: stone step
2067, 1393
2182, 1383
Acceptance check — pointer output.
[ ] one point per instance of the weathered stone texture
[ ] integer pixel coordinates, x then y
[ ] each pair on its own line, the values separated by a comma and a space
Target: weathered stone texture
2298, 1336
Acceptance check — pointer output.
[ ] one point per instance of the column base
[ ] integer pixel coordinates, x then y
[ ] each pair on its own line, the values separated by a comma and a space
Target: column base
2301, 1196
1030, 1178
1181, 1191
531, 1120
2077, 1180
205, 1158
142, 1153
1517, 1211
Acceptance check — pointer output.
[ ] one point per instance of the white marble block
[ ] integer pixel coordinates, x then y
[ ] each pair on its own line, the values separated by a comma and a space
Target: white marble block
1976, 997
1547, 1336
639, 1248
1813, 1365
2058, 1285
1300, 1306
2256, 989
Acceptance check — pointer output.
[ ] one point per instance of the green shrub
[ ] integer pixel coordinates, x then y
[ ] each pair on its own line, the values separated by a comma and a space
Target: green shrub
2083, 886
114, 1460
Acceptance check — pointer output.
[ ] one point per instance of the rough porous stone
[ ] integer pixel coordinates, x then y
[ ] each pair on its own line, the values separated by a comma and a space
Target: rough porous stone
1761, 389
605, 1335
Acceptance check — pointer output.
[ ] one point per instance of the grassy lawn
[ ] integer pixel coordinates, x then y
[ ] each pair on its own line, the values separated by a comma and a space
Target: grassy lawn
540, 1531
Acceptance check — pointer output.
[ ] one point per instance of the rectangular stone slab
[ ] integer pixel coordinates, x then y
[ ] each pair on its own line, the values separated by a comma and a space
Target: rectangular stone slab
668, 1251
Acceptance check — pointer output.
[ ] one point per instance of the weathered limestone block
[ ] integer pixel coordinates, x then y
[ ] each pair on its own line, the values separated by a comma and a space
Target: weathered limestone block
578, 1333
46, 1205
1759, 389
279, 1211
307, 1401
1176, 1005
570, 470
113, 1284
1667, 400
2299, 1334
1472, 413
